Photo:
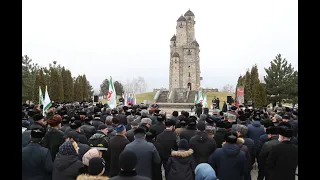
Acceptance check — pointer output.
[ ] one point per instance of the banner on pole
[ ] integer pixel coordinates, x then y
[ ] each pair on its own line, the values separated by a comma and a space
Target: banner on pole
240, 95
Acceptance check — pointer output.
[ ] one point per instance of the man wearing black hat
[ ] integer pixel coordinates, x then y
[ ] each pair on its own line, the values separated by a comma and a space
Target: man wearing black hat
74, 136
96, 122
36, 160
233, 111
168, 140
202, 144
157, 128
273, 136
87, 128
39, 122
127, 162
116, 145
75, 126
229, 162
191, 129
65, 123
96, 170
146, 153
283, 159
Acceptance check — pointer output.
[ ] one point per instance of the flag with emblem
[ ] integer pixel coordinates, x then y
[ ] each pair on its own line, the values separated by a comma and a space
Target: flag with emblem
46, 102
112, 97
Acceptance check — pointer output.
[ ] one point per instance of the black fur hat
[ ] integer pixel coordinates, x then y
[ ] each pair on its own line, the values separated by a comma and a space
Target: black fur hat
272, 130
37, 117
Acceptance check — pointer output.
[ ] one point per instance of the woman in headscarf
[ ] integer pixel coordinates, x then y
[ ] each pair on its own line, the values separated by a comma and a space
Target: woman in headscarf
205, 172
67, 165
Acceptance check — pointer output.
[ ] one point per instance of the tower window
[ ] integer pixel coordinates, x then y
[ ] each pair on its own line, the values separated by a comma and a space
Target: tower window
189, 52
175, 61
189, 74
188, 66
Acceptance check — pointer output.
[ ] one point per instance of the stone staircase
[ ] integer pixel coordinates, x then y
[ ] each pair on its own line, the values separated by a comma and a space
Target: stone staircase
163, 98
192, 94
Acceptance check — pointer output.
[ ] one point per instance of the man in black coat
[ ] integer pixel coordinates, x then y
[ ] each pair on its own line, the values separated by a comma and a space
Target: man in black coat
122, 117
202, 145
156, 168
116, 145
39, 122
129, 134
96, 122
36, 160
191, 129
283, 159
157, 128
242, 132
87, 129
75, 126
168, 140
273, 136
65, 123
83, 148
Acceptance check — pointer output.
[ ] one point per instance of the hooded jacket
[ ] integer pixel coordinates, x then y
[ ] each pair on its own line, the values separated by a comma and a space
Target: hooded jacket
219, 136
229, 162
66, 167
188, 133
205, 172
181, 165
203, 146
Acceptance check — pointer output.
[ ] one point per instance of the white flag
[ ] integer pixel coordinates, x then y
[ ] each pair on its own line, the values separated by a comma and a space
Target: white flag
112, 97
46, 102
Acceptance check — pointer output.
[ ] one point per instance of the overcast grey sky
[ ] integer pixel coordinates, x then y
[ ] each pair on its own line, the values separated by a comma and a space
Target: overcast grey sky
130, 38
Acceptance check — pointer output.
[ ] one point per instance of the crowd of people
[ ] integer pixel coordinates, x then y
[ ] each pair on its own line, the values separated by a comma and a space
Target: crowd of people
83, 141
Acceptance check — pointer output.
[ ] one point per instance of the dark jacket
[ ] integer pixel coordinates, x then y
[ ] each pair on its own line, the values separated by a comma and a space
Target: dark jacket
82, 138
36, 162
219, 137
65, 127
168, 140
283, 161
202, 146
181, 165
265, 151
36, 125
66, 167
245, 149
122, 119
147, 155
157, 128
129, 176
96, 123
130, 134
255, 130
156, 168
52, 140
88, 130
263, 138
250, 145
188, 133
228, 156
83, 148
26, 138
116, 146
153, 119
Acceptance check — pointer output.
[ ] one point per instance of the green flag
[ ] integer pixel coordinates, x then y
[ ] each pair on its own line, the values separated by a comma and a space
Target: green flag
40, 96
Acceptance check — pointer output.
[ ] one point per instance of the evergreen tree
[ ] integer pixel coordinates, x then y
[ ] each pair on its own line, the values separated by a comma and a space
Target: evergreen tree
259, 94
36, 89
29, 72
255, 86
61, 89
104, 88
90, 89
247, 87
84, 84
67, 85
118, 87
279, 78
78, 93
53, 88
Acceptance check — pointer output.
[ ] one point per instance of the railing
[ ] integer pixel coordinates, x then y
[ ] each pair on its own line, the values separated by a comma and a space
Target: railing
171, 96
156, 96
